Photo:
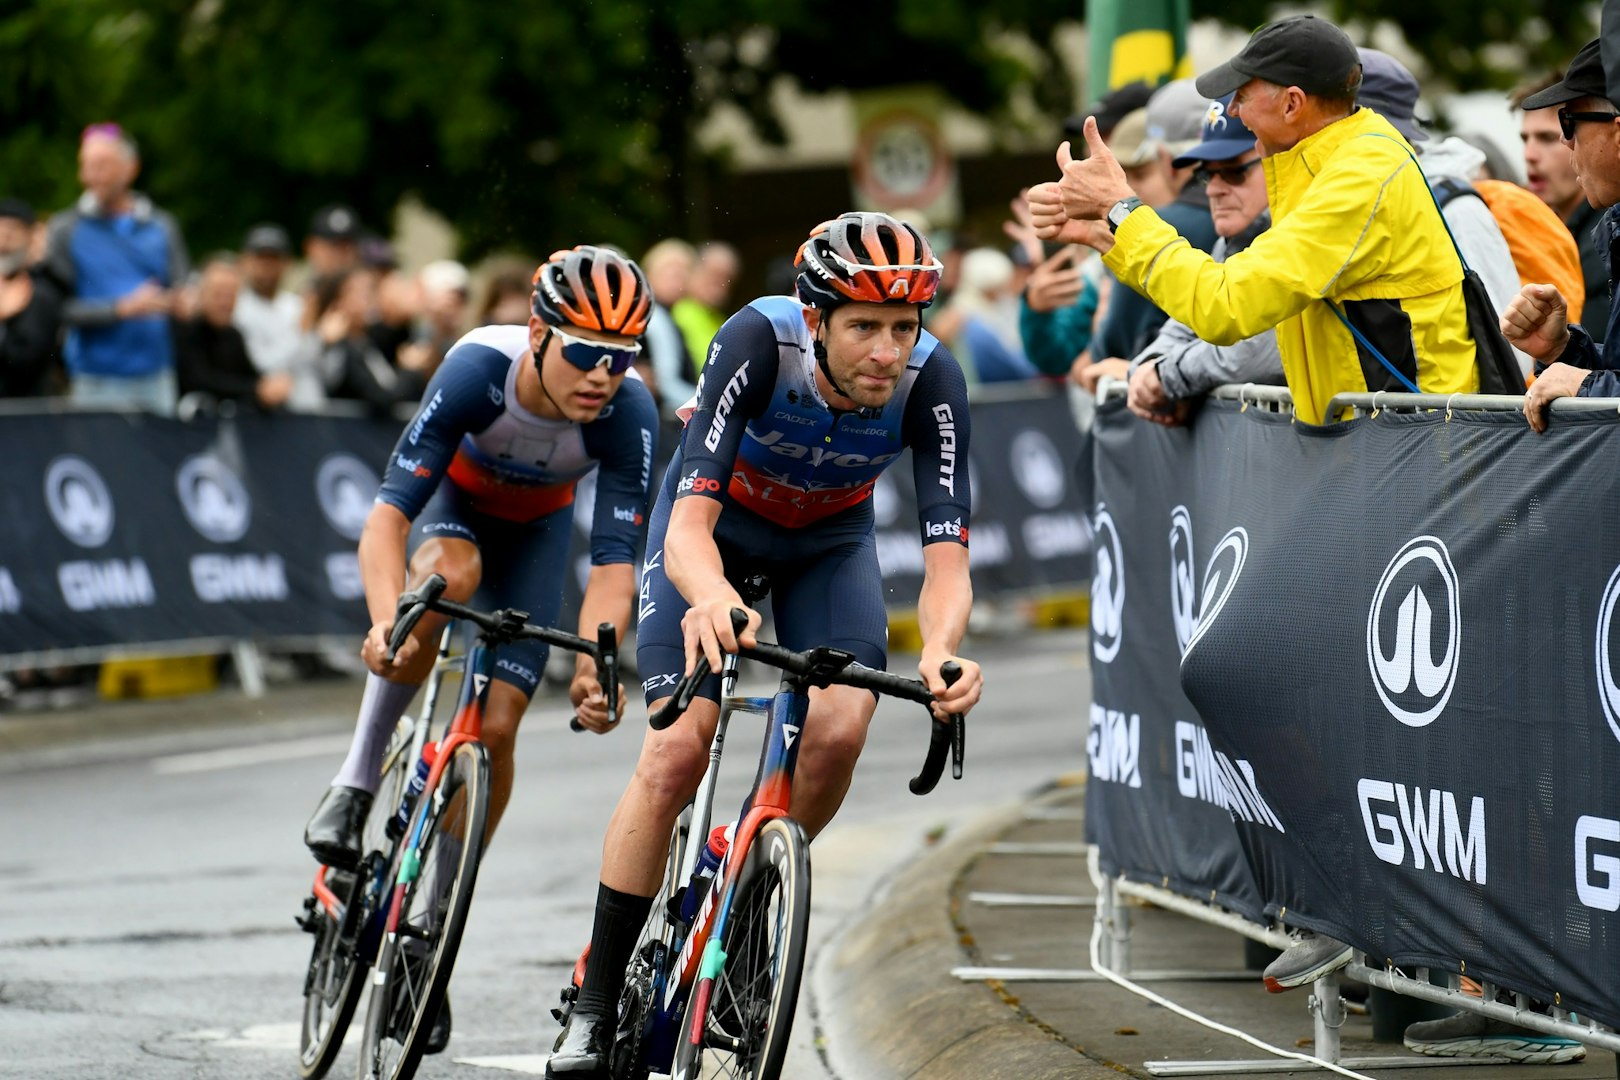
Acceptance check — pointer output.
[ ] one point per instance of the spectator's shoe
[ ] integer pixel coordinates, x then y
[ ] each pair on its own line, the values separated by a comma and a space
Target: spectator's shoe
582, 1049
1468, 1034
333, 832
1309, 958
439, 1034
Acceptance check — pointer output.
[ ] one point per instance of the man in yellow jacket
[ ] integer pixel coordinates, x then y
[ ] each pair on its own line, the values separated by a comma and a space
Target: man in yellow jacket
1355, 232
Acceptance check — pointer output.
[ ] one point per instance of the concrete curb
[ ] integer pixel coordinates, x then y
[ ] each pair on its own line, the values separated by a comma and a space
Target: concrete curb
887, 1007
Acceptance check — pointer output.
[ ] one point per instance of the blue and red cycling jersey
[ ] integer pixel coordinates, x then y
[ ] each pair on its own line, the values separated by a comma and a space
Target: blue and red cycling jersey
509, 464
762, 439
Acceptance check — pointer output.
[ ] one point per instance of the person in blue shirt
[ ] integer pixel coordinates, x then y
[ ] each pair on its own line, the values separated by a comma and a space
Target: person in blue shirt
801, 404
120, 259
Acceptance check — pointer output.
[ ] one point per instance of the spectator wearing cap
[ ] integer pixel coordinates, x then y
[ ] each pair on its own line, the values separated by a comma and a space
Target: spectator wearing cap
119, 258
1571, 359
1111, 108
30, 307
1450, 165
1550, 166
1177, 367
333, 242
269, 317
1168, 127
212, 353
1354, 237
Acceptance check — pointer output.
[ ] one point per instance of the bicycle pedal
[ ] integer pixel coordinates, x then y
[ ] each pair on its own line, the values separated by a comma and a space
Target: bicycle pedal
308, 922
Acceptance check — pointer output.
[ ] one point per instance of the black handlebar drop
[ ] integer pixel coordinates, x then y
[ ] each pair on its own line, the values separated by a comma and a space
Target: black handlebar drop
607, 671
413, 604
948, 737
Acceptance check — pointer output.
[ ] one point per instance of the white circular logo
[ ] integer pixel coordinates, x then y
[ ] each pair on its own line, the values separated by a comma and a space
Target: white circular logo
1107, 589
215, 502
1037, 468
1608, 691
885, 501
346, 488
79, 501
1220, 578
1183, 577
1401, 633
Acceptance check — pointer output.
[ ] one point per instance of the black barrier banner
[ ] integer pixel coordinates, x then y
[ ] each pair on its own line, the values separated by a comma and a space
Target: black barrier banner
1404, 658
125, 529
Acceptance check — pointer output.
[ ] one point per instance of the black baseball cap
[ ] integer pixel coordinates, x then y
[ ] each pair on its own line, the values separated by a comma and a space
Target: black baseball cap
335, 223
267, 239
1111, 108
17, 210
1301, 50
1583, 79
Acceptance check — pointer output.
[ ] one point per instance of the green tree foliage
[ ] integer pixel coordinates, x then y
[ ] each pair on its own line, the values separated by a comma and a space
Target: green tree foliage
526, 125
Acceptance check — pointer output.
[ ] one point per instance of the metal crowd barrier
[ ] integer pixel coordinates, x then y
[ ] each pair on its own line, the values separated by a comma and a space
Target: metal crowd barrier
1325, 1002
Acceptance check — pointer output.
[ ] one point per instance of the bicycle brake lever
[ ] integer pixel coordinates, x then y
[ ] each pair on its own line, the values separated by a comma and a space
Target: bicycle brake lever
951, 671
409, 609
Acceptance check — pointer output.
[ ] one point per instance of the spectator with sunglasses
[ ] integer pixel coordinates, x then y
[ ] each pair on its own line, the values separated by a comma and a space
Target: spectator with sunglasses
480, 489
1571, 360
1177, 367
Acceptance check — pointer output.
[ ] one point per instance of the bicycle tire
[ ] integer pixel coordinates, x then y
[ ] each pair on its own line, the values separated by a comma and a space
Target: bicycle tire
414, 963
757, 990
328, 1012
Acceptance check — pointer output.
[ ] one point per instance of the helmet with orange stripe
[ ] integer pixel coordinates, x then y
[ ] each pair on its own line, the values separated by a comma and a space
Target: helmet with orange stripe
593, 288
866, 257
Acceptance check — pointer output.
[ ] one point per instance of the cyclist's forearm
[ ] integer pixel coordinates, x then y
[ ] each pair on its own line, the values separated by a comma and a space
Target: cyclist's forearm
609, 593
691, 557
382, 560
946, 599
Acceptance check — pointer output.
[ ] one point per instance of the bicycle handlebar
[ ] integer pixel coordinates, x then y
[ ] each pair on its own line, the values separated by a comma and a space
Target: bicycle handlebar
824, 667
508, 625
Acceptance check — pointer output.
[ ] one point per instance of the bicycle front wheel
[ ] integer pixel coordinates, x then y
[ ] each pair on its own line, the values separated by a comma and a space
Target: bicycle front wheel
750, 1013
414, 962
343, 949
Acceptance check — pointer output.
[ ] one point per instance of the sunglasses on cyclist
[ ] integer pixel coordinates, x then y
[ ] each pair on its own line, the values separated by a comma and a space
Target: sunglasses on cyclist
587, 354
1567, 120
1232, 174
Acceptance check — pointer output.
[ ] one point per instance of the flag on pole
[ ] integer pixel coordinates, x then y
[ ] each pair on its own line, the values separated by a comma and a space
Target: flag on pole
1136, 41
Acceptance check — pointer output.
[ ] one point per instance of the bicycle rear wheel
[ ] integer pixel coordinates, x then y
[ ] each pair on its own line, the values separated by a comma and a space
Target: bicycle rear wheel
750, 1014
343, 949
414, 963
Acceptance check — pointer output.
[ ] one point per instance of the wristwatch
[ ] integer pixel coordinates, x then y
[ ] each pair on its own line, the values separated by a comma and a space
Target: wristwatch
1118, 212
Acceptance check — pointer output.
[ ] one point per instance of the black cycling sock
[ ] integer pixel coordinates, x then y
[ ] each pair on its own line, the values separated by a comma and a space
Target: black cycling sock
619, 919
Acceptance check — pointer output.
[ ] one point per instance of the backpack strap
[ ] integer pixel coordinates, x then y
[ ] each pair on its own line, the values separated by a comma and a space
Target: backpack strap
1447, 188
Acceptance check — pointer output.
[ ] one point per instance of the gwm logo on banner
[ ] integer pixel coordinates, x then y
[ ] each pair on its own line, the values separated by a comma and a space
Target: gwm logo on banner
1183, 578
1107, 589
1608, 691
215, 502
1220, 578
1413, 632
79, 501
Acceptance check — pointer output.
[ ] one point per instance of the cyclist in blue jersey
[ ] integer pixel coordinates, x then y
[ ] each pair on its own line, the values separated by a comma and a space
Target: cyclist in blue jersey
480, 489
801, 404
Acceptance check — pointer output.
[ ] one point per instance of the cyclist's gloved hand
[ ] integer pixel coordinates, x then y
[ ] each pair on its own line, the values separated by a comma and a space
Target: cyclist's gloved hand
958, 697
707, 626
374, 650
590, 703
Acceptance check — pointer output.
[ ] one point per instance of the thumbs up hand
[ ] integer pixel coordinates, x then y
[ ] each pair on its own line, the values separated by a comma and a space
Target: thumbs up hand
1090, 187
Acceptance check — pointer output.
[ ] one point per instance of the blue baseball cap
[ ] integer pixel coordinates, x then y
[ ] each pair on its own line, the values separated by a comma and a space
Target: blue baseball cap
1224, 136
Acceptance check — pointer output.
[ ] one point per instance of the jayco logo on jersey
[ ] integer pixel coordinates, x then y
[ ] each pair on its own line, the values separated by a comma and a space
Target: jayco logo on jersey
1037, 468
1183, 578
953, 528
1608, 689
79, 501
345, 487
213, 498
1413, 678
1107, 588
420, 424
728, 398
1220, 578
947, 447
818, 455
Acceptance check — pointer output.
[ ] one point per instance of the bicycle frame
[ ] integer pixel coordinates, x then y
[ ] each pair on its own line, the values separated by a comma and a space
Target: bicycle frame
698, 956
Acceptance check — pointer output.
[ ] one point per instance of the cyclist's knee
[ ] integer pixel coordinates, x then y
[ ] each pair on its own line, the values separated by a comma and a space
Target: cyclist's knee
501, 718
671, 767
457, 561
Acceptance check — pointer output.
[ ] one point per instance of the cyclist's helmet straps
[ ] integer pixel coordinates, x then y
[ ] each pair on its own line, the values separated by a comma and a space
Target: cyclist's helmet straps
593, 288
868, 257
